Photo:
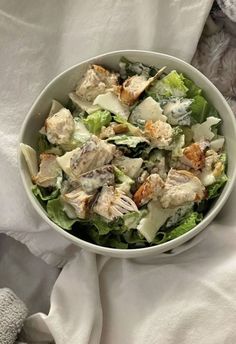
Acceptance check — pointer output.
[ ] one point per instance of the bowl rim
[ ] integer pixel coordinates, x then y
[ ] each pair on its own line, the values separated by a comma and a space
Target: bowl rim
128, 253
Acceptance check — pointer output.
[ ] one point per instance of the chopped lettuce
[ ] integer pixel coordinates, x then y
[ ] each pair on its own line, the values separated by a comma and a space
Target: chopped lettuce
96, 120
214, 189
43, 144
124, 182
171, 85
56, 214
201, 109
45, 194
129, 68
132, 219
193, 89
189, 222
129, 141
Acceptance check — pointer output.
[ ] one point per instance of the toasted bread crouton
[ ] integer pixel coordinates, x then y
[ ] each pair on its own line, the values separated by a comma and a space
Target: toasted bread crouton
150, 189
193, 156
159, 133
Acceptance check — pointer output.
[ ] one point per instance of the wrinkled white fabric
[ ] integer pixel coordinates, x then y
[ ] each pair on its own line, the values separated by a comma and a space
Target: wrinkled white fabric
187, 298
183, 298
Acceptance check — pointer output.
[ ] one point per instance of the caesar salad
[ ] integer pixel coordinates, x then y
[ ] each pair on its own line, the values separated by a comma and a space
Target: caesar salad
134, 159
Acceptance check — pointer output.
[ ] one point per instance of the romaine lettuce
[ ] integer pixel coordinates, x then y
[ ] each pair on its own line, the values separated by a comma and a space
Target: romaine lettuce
171, 85
44, 194
56, 214
214, 189
96, 120
189, 222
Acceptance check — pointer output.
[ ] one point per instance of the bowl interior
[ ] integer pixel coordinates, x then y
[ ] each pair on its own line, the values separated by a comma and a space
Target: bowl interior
59, 88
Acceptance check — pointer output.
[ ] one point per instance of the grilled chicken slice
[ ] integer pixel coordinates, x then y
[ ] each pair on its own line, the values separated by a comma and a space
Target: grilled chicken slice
80, 201
180, 188
151, 189
97, 80
49, 171
59, 127
113, 203
159, 133
193, 156
93, 154
92, 180
135, 85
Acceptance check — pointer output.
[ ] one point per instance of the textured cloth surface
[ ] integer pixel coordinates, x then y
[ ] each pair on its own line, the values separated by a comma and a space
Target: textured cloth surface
40, 40
12, 315
184, 298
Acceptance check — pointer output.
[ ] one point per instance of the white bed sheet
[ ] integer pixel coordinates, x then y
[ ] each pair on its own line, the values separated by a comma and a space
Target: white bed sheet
185, 298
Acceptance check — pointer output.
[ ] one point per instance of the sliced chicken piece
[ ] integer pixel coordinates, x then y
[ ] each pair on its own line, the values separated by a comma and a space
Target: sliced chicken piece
95, 179
59, 127
180, 188
80, 201
151, 189
113, 203
159, 133
97, 80
93, 154
49, 171
193, 156
135, 85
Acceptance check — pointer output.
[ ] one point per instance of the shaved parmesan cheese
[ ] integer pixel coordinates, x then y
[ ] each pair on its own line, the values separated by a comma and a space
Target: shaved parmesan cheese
109, 101
203, 131
218, 143
156, 217
148, 109
83, 104
64, 162
30, 158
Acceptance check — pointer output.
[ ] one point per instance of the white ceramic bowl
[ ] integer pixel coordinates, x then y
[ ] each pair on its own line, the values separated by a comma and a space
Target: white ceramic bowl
59, 88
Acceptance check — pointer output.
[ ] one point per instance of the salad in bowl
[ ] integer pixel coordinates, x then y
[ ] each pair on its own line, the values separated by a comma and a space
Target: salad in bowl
134, 159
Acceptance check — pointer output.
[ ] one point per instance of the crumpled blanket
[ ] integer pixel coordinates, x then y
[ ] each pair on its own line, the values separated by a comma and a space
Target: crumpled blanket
13, 312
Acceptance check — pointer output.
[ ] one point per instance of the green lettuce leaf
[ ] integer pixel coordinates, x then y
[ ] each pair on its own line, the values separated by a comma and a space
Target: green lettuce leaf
129, 141
134, 238
43, 144
215, 189
44, 194
201, 109
132, 219
189, 222
129, 68
115, 242
56, 214
193, 89
171, 85
96, 120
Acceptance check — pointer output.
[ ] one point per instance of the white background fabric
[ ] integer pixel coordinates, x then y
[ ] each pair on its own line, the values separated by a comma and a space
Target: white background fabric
186, 298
